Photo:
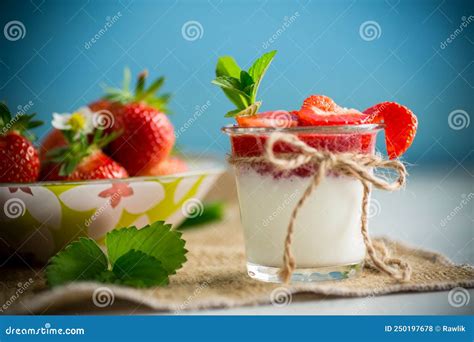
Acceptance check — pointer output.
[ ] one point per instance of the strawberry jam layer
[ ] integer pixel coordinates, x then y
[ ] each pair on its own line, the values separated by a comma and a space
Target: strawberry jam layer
252, 145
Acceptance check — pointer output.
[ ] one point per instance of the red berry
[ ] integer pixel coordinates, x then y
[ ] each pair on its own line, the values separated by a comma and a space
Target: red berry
19, 160
97, 166
53, 139
101, 104
169, 166
275, 119
146, 139
320, 103
320, 110
400, 126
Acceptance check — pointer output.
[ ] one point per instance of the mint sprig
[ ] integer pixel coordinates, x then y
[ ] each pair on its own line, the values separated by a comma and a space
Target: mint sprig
135, 257
241, 86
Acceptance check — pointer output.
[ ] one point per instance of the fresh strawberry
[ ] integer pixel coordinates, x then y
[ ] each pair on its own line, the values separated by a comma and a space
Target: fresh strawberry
169, 166
97, 166
53, 139
400, 126
146, 139
82, 159
146, 135
320, 110
275, 119
116, 98
102, 104
19, 160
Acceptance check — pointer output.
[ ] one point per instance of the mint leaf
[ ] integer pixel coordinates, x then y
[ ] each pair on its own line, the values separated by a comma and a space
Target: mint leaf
233, 85
157, 240
232, 113
258, 69
81, 260
249, 111
246, 80
241, 86
138, 269
228, 67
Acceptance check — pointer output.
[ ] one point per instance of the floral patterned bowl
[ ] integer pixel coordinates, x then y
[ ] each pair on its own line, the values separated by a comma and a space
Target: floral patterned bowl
38, 219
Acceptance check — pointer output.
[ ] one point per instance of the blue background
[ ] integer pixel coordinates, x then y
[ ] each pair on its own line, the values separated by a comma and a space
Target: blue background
237, 328
320, 52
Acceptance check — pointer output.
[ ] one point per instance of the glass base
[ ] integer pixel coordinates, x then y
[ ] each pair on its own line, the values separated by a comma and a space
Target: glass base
305, 275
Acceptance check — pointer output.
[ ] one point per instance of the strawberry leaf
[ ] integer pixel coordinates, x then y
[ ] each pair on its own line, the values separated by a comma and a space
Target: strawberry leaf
139, 258
157, 240
81, 260
138, 269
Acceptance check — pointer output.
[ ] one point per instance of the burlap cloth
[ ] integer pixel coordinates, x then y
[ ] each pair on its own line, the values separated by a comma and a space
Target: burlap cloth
215, 277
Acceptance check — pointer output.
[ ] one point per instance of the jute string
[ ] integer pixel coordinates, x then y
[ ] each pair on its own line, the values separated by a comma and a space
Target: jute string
358, 166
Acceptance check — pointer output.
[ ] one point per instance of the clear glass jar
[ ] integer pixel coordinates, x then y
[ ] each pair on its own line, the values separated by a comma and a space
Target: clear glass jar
327, 242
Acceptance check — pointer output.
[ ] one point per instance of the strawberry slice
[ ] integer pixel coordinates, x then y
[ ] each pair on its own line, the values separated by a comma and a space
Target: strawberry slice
320, 110
400, 126
320, 104
275, 119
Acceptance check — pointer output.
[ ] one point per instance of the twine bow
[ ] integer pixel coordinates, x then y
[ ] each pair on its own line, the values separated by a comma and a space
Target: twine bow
358, 166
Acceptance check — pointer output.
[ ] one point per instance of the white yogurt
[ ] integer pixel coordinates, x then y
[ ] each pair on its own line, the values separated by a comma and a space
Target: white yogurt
327, 228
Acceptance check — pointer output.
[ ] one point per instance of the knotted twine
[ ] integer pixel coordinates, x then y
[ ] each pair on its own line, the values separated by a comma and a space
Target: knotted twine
354, 165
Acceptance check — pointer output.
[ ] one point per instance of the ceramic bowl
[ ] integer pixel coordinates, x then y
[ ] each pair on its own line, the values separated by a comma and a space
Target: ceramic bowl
38, 219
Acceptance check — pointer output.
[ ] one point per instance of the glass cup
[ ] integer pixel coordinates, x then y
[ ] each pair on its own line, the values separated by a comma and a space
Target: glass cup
327, 241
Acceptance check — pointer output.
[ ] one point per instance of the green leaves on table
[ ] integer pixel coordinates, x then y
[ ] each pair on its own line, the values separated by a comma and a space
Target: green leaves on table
135, 257
212, 212
241, 86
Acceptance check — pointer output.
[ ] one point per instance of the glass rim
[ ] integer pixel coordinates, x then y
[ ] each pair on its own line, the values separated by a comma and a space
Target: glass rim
341, 129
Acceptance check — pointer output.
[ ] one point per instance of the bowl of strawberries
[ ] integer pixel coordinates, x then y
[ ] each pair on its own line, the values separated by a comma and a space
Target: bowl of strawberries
105, 166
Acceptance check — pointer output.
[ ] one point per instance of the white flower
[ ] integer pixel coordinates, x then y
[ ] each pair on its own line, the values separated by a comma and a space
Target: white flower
80, 122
